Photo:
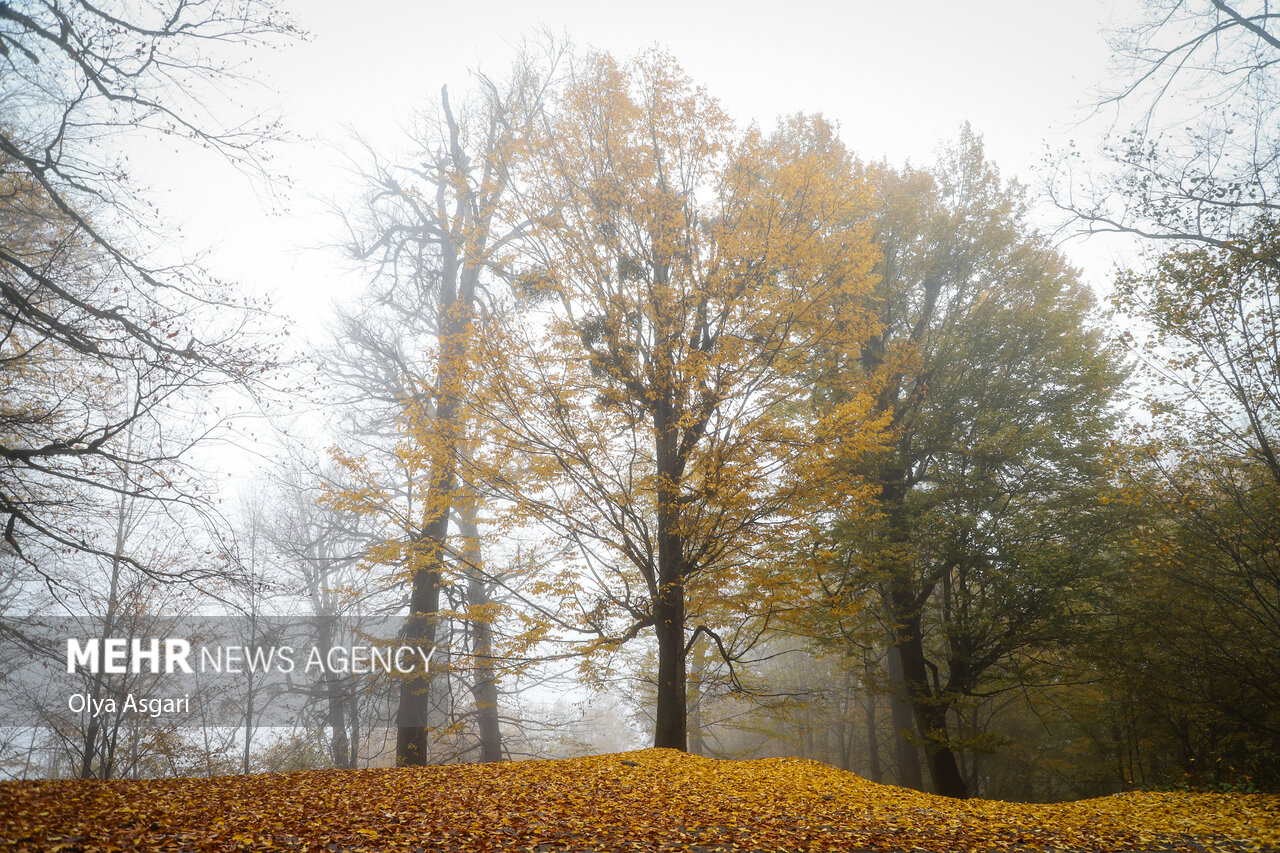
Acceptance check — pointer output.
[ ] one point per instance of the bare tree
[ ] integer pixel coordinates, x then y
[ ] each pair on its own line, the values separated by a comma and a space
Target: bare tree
89, 305
1195, 158
320, 549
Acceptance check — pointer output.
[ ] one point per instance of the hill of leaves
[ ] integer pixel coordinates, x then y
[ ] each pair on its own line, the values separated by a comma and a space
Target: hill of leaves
648, 800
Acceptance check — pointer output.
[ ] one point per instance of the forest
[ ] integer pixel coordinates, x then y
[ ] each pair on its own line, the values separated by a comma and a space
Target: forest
645, 426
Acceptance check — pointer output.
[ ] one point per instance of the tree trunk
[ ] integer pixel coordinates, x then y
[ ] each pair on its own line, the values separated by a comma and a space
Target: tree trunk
671, 723
874, 771
93, 733
246, 754
930, 712
670, 727
901, 616
438, 501
947, 779
339, 747
485, 694
908, 667
909, 775
419, 632
353, 712
484, 687
693, 697
335, 696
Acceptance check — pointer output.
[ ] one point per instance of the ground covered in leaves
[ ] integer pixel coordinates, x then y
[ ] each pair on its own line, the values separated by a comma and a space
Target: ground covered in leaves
649, 800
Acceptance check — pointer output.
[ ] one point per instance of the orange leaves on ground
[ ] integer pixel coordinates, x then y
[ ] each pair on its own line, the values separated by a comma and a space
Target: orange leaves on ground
648, 800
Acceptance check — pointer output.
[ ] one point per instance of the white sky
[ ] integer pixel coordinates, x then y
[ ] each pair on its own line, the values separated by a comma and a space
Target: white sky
898, 76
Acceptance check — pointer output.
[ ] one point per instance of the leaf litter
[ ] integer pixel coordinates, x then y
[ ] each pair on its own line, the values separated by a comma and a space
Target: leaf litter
654, 799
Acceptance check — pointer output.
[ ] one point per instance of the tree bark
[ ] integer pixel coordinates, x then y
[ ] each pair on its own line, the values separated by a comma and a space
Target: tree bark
874, 771
457, 286
670, 727
419, 632
693, 697
898, 602
671, 724
484, 687
904, 597
91, 736
930, 711
424, 606
335, 698
908, 756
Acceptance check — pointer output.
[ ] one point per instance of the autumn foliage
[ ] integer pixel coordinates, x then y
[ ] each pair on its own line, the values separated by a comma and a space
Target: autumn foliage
655, 799
781, 451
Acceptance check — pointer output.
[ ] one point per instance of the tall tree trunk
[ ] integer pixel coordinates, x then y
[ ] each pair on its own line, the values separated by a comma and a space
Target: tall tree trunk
900, 612
903, 598
947, 779
412, 714
671, 723
335, 697
420, 632
903, 718
353, 713
454, 321
484, 687
246, 753
694, 698
874, 771
670, 727
930, 711
339, 747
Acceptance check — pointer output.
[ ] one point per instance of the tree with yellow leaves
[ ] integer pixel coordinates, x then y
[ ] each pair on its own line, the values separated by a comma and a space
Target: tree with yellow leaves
679, 274
433, 231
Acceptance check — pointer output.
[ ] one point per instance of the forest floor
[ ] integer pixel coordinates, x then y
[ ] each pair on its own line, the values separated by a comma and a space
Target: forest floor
652, 799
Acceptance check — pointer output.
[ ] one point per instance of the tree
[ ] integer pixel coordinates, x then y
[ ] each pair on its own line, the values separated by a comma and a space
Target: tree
86, 291
1214, 346
677, 274
1208, 473
1200, 163
435, 234
481, 604
998, 389
1197, 182
319, 550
